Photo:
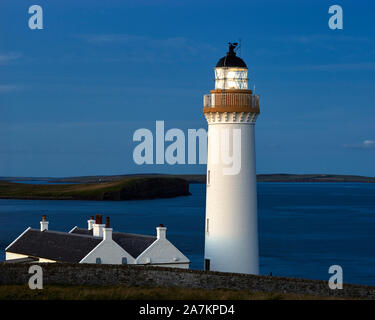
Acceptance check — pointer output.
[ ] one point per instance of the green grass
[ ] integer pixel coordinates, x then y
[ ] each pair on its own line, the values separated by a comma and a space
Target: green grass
137, 188
59, 292
9, 189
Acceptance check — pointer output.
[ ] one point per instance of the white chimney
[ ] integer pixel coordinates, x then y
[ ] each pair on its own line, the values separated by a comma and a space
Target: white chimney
98, 226
161, 232
44, 223
90, 223
107, 231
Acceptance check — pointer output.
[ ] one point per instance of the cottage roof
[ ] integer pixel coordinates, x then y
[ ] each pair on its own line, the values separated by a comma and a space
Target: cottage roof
54, 245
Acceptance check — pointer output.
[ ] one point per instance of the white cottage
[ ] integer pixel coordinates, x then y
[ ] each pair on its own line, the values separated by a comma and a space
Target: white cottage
96, 244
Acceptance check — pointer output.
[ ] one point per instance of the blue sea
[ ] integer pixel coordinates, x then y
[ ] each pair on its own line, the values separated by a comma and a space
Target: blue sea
304, 228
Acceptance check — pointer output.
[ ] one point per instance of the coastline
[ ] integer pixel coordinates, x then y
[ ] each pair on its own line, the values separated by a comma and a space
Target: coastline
125, 189
138, 186
196, 178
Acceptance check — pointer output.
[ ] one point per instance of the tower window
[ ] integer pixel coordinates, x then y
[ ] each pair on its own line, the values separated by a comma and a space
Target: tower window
207, 225
208, 177
124, 260
98, 261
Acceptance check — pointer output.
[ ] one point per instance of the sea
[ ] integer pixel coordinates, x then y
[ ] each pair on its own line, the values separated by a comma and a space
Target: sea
304, 228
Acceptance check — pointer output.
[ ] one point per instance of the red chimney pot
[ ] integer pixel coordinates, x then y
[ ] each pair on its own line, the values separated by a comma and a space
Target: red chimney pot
98, 219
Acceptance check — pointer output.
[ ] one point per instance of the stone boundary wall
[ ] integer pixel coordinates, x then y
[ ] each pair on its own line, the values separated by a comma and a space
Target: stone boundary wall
101, 275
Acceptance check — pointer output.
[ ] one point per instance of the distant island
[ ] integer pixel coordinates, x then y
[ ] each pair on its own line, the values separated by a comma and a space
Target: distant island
124, 189
134, 187
313, 178
200, 178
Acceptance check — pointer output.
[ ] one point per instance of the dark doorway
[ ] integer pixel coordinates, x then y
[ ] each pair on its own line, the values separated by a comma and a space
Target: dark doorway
206, 264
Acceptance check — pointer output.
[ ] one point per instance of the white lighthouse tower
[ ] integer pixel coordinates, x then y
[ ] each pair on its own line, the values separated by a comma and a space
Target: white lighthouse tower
231, 240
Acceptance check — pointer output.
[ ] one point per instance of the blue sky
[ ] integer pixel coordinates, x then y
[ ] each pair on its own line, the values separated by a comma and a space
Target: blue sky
72, 94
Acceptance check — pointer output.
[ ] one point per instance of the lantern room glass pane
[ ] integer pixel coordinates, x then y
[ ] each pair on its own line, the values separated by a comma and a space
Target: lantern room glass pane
231, 78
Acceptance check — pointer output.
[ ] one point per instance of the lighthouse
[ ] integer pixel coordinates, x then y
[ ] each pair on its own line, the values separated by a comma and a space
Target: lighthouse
231, 110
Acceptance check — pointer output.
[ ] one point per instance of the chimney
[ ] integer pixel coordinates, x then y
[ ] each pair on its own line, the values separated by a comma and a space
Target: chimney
107, 231
98, 219
90, 223
161, 232
98, 226
44, 223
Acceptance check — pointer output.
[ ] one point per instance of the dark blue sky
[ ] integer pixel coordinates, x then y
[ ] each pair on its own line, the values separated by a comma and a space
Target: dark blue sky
72, 94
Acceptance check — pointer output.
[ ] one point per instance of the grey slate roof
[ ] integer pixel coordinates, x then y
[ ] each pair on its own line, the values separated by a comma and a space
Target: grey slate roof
54, 245
134, 244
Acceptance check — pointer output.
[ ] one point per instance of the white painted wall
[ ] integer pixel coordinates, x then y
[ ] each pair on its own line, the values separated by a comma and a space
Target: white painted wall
46, 260
109, 252
231, 241
12, 256
163, 252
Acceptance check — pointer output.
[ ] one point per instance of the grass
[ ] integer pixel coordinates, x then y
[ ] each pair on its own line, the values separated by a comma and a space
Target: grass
60, 292
128, 188
68, 191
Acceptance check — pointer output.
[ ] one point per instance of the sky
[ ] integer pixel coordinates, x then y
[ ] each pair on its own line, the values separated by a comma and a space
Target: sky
73, 94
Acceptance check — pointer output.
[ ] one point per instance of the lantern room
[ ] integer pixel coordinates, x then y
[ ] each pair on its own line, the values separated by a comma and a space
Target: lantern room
231, 71
231, 93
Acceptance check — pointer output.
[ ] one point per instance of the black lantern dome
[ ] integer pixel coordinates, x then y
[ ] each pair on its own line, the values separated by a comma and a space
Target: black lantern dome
231, 60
